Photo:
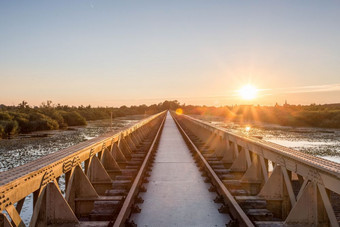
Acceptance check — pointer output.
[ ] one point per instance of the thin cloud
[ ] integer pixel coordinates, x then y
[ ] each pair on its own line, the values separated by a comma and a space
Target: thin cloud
307, 89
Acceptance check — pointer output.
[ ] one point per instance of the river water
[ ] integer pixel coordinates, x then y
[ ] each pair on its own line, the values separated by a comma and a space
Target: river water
28, 147
320, 142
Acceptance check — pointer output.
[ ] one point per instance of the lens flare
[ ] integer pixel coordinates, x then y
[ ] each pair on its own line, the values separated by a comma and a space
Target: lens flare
179, 111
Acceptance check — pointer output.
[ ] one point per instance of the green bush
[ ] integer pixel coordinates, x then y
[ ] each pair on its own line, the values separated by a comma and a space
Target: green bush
73, 118
36, 122
55, 115
9, 128
2, 132
5, 116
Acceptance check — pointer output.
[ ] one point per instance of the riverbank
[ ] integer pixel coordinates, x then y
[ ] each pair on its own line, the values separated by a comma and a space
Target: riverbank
21, 150
23, 118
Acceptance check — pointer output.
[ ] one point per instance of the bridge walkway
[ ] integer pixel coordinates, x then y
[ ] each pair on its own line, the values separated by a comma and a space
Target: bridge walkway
176, 193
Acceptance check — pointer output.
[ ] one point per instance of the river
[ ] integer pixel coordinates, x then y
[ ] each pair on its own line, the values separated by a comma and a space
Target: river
28, 147
320, 142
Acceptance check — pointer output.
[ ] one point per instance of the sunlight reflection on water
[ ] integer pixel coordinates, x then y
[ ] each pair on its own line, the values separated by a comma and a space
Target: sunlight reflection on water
320, 142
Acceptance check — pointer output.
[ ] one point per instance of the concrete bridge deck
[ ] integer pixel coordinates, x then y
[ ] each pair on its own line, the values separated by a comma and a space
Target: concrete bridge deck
177, 194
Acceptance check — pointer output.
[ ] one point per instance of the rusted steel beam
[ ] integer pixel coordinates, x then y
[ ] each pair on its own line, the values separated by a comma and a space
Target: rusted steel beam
19, 182
129, 200
304, 204
234, 207
315, 169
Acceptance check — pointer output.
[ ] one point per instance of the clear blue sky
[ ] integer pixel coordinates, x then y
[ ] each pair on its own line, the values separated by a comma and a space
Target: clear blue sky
132, 52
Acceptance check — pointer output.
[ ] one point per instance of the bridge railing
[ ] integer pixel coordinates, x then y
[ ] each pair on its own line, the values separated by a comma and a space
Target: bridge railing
301, 188
87, 167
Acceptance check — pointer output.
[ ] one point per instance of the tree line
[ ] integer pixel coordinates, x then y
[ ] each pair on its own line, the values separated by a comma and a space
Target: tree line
323, 116
24, 118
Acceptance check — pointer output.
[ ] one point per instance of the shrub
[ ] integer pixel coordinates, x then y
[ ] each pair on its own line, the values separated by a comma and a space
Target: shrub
55, 115
9, 128
38, 121
2, 132
4, 116
73, 118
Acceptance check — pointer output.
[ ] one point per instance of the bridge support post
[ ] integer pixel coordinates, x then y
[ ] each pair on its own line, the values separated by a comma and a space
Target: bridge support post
108, 161
52, 208
98, 176
240, 163
135, 139
124, 147
13, 213
228, 154
211, 141
328, 206
253, 173
4, 221
309, 209
201, 133
20, 205
131, 144
80, 187
117, 154
220, 146
143, 132
273, 191
139, 135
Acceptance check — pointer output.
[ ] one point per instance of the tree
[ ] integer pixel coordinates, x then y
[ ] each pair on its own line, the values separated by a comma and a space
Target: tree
9, 127
23, 105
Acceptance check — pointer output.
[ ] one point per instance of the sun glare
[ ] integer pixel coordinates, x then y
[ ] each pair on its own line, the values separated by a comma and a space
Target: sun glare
248, 92
179, 111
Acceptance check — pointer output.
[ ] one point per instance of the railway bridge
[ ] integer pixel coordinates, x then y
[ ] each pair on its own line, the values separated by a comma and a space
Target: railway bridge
173, 170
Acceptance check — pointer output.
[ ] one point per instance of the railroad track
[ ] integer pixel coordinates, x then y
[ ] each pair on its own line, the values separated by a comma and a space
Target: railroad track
102, 179
129, 191
130, 207
122, 199
199, 179
245, 198
246, 210
233, 198
214, 175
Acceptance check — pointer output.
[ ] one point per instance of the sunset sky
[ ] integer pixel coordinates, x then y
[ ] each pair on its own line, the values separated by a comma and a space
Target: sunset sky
111, 53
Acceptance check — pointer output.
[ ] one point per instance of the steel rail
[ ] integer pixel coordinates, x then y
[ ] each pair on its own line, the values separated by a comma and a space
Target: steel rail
19, 182
314, 168
322, 164
234, 207
125, 211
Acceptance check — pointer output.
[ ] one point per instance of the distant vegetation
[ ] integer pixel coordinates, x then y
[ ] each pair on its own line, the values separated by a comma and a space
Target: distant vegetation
24, 118
325, 116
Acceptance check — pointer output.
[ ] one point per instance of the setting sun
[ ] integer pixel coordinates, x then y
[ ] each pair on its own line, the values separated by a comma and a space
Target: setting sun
248, 92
